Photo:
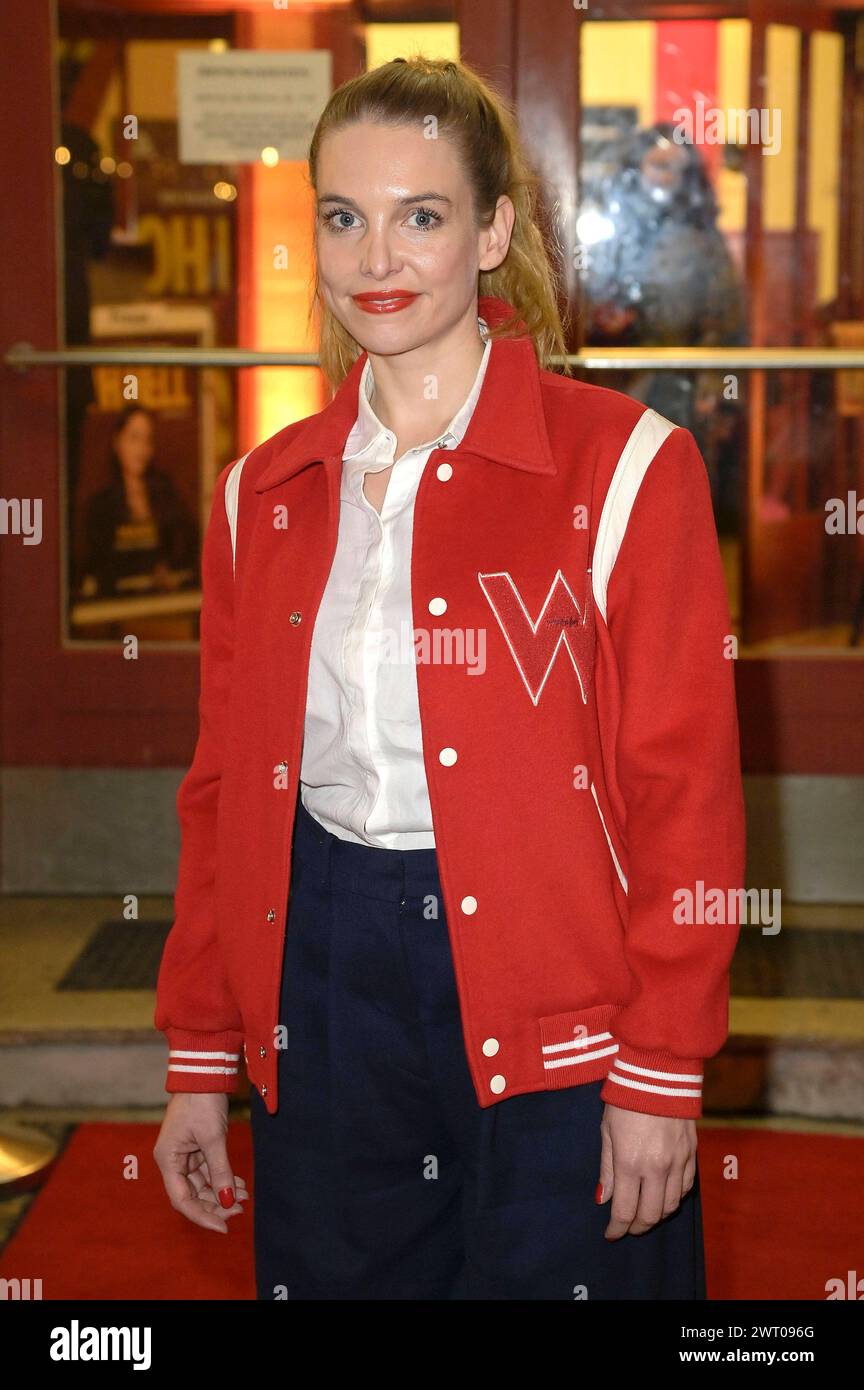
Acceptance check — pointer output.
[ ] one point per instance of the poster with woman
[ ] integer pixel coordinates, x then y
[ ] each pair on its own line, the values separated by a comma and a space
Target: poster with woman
136, 513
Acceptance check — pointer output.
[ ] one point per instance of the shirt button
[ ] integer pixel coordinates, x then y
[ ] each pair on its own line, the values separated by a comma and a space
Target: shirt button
444, 472
281, 767
497, 1084
294, 618
447, 756
262, 1051
490, 1047
271, 915
437, 606
468, 905
263, 1090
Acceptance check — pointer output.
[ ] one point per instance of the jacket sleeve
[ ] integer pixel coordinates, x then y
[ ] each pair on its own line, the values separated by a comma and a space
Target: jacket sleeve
194, 1005
677, 766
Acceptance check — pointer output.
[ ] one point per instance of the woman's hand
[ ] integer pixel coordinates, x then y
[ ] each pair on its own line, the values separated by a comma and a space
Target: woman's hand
192, 1156
647, 1164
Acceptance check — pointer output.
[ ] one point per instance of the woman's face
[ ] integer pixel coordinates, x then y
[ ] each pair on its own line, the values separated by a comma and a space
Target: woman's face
395, 213
663, 169
134, 444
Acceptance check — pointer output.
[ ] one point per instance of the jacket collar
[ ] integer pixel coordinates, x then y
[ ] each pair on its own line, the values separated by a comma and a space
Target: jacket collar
508, 425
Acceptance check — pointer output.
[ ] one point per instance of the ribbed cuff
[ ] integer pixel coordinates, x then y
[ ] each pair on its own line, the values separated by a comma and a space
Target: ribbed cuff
203, 1061
655, 1083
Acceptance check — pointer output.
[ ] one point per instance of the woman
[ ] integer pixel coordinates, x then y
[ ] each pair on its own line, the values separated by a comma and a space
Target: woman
472, 1026
138, 530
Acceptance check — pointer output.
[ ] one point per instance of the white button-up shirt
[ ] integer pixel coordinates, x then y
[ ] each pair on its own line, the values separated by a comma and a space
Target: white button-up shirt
362, 774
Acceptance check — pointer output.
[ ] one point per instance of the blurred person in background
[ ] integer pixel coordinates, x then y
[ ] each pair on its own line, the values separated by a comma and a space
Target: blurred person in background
658, 273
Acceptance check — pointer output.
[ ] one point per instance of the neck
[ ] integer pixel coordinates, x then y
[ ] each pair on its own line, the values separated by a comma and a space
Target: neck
419, 392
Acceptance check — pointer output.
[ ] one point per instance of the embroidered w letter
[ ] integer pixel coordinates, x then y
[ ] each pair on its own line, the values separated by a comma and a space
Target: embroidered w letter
535, 645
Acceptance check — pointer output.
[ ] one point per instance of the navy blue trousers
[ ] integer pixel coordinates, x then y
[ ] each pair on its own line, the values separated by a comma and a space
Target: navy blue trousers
380, 1176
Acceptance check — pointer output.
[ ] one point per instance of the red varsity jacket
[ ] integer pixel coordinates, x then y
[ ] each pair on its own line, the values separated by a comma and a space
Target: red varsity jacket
590, 832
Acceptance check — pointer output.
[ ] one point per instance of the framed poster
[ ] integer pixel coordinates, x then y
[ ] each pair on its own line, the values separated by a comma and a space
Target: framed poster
137, 512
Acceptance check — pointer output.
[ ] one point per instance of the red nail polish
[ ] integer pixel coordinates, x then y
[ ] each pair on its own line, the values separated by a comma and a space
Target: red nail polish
226, 1196
598, 1193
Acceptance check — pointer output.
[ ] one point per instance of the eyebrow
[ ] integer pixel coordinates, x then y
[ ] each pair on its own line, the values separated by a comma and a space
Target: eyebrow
402, 202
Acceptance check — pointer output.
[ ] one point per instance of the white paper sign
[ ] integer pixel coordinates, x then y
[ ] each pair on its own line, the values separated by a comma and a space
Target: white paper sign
233, 105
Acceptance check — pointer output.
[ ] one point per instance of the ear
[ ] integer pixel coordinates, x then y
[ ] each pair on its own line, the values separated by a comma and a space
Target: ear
495, 239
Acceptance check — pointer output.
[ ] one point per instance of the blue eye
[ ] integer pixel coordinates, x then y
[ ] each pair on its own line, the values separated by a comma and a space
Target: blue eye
329, 218
427, 212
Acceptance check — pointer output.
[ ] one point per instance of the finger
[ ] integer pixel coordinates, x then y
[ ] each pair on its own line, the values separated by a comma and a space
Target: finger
689, 1176
650, 1209
203, 1186
219, 1170
625, 1201
208, 1215
207, 1198
183, 1199
674, 1189
204, 1190
199, 1183
209, 1202
202, 1176
606, 1176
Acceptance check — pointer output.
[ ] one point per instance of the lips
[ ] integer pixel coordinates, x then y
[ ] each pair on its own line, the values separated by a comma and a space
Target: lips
384, 302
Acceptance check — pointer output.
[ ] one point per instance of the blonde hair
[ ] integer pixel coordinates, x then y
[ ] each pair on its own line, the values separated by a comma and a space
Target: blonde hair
483, 129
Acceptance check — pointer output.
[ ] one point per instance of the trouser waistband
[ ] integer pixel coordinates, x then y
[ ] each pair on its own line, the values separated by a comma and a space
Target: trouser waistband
390, 874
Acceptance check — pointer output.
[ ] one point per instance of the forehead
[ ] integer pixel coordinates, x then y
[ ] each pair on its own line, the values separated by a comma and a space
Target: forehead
665, 150
381, 160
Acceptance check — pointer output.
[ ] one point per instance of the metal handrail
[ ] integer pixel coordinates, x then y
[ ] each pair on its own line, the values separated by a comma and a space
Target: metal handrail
23, 356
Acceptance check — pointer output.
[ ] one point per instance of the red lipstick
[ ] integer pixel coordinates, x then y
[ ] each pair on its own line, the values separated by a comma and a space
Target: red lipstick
384, 301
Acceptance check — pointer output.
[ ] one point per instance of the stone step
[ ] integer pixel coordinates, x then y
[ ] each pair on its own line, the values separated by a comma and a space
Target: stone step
809, 1076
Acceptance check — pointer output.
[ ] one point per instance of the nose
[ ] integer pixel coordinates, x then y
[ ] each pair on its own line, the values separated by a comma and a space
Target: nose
377, 255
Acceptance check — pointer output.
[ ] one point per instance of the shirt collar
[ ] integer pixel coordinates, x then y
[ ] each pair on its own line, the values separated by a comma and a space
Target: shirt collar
369, 436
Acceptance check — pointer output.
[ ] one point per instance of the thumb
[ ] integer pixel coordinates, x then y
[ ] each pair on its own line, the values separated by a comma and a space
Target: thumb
215, 1153
606, 1179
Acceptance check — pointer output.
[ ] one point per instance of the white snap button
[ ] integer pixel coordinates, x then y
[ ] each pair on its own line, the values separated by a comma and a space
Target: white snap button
444, 472
468, 905
447, 756
438, 606
497, 1084
490, 1047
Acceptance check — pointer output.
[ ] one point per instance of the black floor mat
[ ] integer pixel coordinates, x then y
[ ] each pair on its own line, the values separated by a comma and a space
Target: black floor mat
119, 955
797, 963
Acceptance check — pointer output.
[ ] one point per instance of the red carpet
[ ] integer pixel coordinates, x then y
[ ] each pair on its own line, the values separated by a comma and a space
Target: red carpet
792, 1220
91, 1233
